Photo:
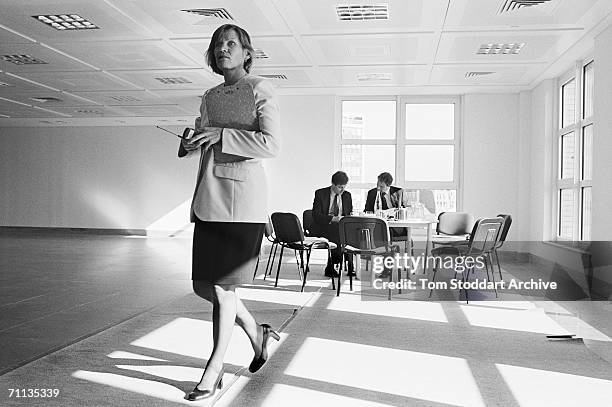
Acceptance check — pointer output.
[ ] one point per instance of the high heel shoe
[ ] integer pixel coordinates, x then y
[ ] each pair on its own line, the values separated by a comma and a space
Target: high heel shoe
197, 394
258, 361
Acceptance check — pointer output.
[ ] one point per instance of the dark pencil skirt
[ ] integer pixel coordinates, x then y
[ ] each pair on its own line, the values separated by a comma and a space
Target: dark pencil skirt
224, 253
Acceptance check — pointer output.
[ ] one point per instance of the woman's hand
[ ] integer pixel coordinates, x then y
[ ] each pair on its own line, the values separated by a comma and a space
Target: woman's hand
203, 138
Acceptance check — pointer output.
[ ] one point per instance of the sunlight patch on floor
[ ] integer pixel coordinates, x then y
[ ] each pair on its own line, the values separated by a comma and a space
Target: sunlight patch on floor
531, 320
299, 396
130, 355
424, 376
277, 296
537, 388
193, 338
425, 311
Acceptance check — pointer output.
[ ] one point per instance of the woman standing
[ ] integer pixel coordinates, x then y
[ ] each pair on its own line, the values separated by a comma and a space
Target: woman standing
238, 126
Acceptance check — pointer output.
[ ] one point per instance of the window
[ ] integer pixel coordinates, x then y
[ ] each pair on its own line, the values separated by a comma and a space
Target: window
416, 140
575, 154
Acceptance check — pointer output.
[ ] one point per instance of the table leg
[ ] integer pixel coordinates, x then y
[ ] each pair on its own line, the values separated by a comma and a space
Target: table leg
427, 248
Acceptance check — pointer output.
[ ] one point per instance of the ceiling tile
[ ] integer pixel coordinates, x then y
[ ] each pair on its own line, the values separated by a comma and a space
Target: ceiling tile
171, 79
371, 49
91, 111
257, 17
484, 74
8, 109
119, 98
377, 76
49, 60
10, 84
113, 24
49, 99
289, 76
124, 55
79, 81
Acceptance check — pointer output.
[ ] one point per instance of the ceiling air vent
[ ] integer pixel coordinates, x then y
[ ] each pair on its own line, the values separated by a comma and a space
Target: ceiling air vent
274, 76
500, 48
173, 81
23, 60
90, 111
362, 12
260, 54
365, 77
219, 13
513, 5
4, 84
126, 99
46, 99
477, 74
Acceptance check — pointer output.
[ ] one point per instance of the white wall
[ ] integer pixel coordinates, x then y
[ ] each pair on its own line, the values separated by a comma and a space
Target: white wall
129, 177
90, 177
602, 139
490, 156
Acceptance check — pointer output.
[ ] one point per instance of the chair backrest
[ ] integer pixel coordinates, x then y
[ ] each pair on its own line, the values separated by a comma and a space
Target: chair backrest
269, 229
485, 234
307, 221
455, 223
287, 227
364, 233
504, 232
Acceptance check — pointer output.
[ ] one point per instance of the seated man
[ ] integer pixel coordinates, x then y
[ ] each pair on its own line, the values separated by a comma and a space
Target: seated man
329, 205
390, 195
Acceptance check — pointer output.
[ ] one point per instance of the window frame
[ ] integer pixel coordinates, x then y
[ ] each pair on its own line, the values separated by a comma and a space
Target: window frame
400, 142
576, 182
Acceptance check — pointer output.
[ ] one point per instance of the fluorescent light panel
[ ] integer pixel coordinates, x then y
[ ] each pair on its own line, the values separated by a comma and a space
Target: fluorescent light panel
23, 59
63, 22
500, 48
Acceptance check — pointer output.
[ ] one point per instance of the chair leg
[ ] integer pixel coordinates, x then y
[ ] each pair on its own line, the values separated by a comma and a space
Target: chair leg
280, 261
329, 261
498, 266
492, 273
339, 278
307, 269
274, 248
351, 274
256, 265
433, 279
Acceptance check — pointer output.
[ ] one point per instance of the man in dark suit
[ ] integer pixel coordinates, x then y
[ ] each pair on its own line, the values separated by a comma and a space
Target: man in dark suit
390, 196
329, 205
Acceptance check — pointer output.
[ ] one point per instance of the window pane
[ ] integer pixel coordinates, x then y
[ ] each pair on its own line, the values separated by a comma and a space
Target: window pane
587, 102
429, 163
363, 163
567, 156
430, 121
586, 213
587, 152
446, 200
566, 214
568, 103
368, 120
359, 197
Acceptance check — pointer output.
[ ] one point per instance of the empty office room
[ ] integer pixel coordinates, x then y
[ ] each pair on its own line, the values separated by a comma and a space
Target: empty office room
296, 203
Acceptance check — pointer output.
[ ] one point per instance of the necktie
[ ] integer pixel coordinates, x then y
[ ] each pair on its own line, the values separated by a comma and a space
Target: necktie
384, 201
334, 208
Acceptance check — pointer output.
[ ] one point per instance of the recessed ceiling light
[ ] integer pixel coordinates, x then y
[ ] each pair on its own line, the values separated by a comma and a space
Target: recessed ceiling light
500, 48
364, 77
63, 22
173, 81
219, 13
274, 76
362, 12
476, 74
260, 54
23, 59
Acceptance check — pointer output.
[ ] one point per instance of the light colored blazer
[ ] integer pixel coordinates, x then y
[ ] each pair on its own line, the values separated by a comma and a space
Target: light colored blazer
231, 184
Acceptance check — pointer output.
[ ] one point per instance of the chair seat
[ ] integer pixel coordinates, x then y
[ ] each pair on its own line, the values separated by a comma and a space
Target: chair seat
372, 252
448, 239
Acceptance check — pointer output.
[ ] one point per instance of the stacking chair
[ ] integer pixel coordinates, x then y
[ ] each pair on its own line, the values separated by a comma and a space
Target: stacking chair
269, 235
307, 222
483, 240
290, 234
364, 236
452, 227
502, 238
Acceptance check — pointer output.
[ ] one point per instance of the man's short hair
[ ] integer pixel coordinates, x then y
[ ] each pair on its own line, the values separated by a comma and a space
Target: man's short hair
339, 178
386, 178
